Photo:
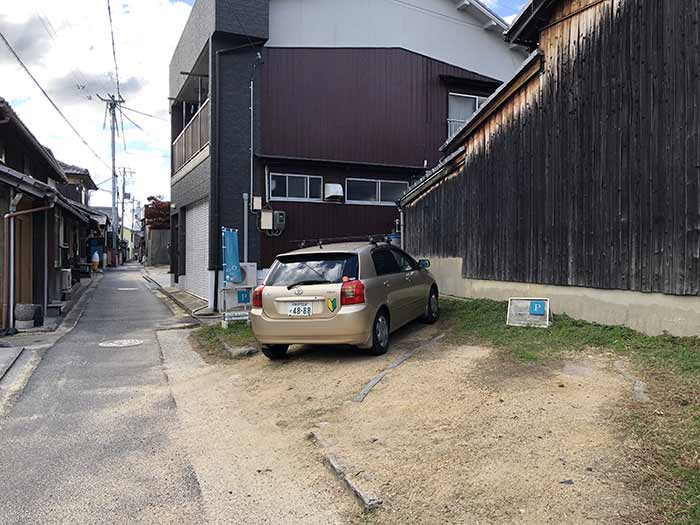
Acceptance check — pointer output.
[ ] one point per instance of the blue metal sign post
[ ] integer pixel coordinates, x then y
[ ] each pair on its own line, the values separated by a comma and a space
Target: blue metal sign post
232, 274
231, 260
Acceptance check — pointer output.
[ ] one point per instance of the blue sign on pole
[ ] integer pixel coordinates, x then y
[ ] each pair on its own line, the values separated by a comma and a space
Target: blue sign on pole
537, 308
231, 260
243, 296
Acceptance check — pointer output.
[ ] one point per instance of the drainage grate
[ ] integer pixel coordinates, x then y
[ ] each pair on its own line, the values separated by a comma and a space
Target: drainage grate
121, 343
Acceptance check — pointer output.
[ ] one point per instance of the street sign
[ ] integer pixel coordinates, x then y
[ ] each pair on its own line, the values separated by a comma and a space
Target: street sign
243, 296
528, 312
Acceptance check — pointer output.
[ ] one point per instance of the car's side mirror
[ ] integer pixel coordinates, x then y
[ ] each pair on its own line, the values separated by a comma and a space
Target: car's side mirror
424, 263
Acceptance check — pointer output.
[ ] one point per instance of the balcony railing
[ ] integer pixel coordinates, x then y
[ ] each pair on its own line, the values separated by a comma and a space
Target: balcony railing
454, 127
193, 138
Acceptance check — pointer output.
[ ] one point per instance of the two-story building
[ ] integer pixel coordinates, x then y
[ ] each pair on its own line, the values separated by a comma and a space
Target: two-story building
308, 119
39, 240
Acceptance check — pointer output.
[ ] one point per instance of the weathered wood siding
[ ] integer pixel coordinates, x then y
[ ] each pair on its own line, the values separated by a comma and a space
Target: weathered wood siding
588, 175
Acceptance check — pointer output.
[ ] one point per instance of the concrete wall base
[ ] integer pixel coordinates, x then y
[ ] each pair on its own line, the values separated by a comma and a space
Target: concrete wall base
649, 313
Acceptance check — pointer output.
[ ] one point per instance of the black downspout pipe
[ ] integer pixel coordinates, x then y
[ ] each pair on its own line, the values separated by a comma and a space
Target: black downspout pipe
216, 212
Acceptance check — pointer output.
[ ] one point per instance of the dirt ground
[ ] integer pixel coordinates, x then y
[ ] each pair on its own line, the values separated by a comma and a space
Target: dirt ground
456, 434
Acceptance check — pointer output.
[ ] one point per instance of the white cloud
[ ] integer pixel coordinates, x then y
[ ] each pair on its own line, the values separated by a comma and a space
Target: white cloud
67, 47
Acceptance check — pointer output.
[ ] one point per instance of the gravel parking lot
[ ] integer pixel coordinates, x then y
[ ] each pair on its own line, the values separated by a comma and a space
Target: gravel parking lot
455, 434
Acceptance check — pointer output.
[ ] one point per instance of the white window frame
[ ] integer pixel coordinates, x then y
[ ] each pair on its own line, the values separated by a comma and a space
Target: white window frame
292, 199
479, 101
379, 201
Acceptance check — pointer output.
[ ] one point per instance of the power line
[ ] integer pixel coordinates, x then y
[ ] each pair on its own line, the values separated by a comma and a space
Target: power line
26, 69
134, 123
143, 113
114, 50
81, 83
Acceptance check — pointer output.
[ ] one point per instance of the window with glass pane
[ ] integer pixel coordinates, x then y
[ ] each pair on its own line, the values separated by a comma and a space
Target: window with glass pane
362, 190
384, 262
296, 187
392, 191
315, 188
278, 186
460, 110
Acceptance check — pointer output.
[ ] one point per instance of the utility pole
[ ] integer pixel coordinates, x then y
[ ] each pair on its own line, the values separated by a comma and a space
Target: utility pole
112, 104
125, 172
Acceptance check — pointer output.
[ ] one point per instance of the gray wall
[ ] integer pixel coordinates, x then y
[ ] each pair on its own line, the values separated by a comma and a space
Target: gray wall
232, 149
199, 27
157, 247
243, 17
192, 187
238, 17
436, 29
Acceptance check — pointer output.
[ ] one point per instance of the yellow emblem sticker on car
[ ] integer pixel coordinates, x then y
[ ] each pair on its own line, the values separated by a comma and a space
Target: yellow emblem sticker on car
332, 304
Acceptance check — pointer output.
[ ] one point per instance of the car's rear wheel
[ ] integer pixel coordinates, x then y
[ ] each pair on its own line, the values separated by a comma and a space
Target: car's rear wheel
274, 351
432, 309
380, 333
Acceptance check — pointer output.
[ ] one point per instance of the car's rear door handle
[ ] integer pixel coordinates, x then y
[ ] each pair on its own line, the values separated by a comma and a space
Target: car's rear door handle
387, 284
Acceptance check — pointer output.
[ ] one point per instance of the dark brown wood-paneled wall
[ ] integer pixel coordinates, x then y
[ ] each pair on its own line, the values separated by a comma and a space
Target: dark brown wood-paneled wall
323, 220
374, 106
595, 181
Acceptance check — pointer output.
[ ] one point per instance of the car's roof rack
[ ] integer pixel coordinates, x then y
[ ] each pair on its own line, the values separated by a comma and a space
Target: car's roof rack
372, 239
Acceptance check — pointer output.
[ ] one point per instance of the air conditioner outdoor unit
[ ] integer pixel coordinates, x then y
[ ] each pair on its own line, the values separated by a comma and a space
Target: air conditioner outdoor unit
249, 276
66, 280
333, 192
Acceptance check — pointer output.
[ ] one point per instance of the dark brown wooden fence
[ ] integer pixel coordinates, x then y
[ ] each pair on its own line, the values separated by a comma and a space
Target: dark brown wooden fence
596, 183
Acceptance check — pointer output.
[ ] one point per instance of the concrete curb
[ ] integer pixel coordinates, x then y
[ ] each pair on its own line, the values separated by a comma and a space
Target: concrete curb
241, 352
360, 397
167, 293
368, 501
166, 296
12, 362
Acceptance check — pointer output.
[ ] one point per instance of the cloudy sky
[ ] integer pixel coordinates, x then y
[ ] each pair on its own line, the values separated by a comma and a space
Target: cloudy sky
66, 45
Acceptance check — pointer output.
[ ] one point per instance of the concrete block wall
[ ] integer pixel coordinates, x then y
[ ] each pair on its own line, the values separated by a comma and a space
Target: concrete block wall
649, 313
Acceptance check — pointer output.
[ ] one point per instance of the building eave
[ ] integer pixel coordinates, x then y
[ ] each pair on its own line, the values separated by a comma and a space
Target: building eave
526, 27
494, 101
528, 70
29, 185
53, 163
495, 22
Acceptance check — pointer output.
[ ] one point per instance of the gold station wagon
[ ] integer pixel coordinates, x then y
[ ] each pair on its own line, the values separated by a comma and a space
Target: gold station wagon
341, 294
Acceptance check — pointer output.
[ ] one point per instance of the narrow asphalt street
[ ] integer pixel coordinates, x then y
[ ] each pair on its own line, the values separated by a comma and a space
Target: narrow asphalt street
91, 438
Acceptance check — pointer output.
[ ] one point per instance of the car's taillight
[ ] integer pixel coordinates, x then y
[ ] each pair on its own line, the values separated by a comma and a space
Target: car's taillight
257, 296
352, 292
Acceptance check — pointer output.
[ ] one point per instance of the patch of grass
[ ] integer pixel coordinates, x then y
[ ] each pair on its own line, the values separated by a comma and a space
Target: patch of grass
214, 339
668, 428
483, 321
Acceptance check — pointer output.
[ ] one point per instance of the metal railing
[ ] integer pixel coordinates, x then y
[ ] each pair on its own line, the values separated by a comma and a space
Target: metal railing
454, 126
193, 138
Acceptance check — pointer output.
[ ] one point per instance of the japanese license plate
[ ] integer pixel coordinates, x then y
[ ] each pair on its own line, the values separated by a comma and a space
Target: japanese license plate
300, 309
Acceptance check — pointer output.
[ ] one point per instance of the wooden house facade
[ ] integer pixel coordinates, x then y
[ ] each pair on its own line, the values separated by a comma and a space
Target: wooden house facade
579, 178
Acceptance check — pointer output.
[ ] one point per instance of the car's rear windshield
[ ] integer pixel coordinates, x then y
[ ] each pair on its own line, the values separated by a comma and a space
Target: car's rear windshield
313, 268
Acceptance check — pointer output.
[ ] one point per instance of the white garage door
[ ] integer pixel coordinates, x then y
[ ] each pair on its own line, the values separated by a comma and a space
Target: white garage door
196, 278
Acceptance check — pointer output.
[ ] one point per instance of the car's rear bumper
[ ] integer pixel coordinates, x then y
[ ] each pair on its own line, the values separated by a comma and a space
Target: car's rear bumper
351, 326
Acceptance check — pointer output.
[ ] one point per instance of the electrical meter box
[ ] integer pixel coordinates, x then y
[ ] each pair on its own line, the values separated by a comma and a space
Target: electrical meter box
279, 220
266, 220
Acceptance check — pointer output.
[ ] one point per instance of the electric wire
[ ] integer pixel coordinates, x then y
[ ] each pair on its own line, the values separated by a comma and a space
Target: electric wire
48, 97
143, 113
114, 50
